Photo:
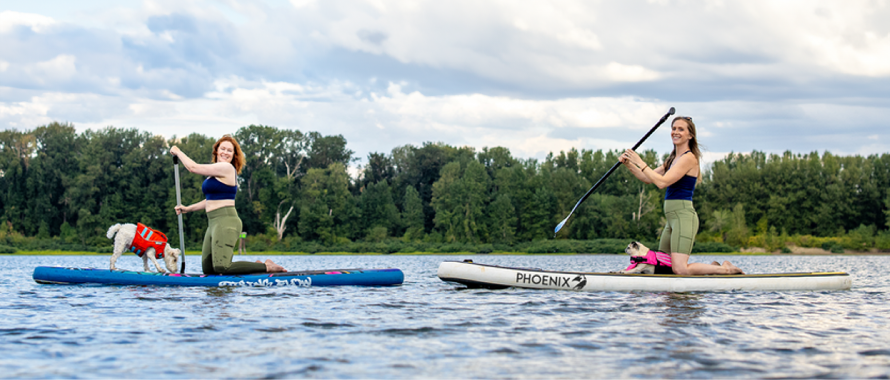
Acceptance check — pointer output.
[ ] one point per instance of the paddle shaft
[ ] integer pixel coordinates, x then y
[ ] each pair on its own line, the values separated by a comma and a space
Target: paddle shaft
179, 203
608, 173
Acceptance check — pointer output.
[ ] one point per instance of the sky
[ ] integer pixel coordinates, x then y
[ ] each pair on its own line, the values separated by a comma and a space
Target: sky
533, 76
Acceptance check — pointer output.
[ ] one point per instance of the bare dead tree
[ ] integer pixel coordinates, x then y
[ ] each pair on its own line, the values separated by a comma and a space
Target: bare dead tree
645, 206
279, 221
292, 173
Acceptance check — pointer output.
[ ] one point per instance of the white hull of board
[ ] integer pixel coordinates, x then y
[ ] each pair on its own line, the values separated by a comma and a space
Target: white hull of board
491, 276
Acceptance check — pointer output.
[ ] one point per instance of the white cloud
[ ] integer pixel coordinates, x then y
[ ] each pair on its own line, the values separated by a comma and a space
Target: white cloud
629, 73
37, 23
60, 68
532, 76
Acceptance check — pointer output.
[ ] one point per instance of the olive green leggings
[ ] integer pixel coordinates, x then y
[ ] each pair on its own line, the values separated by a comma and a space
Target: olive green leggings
679, 232
219, 244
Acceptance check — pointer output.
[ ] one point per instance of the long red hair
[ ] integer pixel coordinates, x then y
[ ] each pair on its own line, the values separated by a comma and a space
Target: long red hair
237, 158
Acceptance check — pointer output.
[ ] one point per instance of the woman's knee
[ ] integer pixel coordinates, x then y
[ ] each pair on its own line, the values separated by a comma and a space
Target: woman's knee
221, 268
680, 271
679, 262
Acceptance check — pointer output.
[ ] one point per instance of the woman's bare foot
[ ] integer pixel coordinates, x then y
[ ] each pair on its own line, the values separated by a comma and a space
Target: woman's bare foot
273, 268
732, 268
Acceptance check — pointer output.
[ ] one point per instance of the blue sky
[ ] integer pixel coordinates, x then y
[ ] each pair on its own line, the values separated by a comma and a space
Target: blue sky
532, 76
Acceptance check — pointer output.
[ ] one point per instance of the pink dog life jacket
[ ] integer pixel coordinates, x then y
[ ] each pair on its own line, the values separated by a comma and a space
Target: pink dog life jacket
652, 257
148, 238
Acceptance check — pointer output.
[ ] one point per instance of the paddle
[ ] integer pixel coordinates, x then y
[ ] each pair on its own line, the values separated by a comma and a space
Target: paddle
660, 122
179, 203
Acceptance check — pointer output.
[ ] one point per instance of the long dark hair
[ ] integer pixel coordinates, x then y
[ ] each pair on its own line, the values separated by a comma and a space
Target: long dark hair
693, 144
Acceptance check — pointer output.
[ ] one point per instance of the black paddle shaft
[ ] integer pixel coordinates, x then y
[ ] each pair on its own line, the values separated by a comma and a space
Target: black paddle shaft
608, 173
179, 203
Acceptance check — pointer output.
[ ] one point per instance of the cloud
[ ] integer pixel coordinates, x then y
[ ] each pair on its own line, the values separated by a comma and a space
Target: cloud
10, 20
533, 76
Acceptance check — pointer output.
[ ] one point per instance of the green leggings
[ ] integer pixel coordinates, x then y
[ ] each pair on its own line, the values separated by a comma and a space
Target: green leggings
679, 232
219, 244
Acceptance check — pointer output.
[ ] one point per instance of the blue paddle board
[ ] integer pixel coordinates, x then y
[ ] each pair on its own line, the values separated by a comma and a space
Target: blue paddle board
329, 277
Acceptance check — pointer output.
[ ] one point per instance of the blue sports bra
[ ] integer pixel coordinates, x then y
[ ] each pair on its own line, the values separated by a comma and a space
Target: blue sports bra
682, 189
215, 190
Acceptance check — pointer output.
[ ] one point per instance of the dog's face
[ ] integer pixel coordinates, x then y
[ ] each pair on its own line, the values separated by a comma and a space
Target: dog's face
636, 249
171, 258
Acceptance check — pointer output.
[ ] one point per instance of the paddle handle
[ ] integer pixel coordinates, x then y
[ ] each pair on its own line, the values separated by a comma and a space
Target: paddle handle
179, 203
608, 173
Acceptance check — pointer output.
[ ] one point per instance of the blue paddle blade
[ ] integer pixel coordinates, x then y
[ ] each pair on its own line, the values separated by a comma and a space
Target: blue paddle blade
559, 226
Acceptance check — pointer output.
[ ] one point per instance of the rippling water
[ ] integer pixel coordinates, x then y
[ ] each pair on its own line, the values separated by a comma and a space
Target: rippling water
427, 328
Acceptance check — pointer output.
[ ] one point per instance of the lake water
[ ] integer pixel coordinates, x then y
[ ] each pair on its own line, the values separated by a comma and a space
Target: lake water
428, 328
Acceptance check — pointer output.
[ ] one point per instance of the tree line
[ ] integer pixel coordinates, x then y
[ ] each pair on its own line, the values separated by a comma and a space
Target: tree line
61, 187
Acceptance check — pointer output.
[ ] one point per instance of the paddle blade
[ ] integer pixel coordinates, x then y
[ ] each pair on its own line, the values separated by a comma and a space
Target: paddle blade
559, 226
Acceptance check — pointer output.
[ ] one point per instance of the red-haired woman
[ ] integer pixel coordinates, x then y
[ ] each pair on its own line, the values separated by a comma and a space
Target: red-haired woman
224, 226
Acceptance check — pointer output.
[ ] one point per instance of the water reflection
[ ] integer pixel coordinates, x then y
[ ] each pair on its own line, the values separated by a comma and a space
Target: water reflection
681, 309
219, 292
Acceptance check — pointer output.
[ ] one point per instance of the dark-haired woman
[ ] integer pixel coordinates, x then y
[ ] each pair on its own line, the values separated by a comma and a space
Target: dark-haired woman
679, 175
224, 226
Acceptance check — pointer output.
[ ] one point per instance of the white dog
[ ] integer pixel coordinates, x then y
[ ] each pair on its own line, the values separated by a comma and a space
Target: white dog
647, 261
145, 243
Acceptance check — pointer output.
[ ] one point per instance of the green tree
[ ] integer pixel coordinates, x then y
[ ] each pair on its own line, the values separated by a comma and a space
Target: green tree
420, 168
459, 198
53, 167
502, 227
412, 215
328, 211
378, 208
719, 223
738, 231
379, 168
887, 206
16, 152
541, 213
327, 150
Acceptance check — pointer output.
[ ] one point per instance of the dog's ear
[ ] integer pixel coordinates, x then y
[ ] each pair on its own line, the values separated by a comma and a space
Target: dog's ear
168, 250
635, 244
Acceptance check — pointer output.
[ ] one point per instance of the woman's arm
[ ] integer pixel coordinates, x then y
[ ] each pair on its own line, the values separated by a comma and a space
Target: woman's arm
190, 208
659, 177
636, 171
221, 170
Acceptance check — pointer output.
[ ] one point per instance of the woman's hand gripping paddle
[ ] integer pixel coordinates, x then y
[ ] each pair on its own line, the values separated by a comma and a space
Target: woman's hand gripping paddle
660, 122
179, 203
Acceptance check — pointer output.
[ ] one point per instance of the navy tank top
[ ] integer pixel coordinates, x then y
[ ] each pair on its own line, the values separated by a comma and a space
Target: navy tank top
683, 188
215, 190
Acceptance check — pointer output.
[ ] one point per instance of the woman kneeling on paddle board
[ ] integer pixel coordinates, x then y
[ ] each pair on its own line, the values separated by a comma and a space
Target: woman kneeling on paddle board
224, 226
679, 175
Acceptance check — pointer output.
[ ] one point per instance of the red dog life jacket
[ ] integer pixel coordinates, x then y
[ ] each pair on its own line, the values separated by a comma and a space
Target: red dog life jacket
148, 238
